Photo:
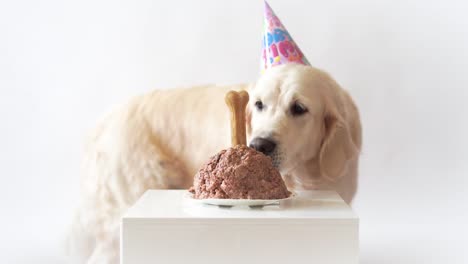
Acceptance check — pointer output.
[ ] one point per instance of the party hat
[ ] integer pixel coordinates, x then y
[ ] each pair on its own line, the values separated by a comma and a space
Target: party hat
278, 47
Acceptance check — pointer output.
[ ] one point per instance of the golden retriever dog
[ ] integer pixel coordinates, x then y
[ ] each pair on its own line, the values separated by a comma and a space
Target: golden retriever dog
298, 115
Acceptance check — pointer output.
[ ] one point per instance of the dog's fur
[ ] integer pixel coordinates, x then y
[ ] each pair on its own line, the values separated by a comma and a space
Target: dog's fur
159, 140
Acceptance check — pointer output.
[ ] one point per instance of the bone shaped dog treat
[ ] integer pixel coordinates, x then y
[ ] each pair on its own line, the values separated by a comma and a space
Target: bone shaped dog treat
237, 101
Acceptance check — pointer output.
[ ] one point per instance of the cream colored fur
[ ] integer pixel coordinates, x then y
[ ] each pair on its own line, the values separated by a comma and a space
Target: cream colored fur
159, 140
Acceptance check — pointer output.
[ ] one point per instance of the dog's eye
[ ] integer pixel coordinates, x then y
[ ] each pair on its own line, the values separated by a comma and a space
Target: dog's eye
259, 105
298, 109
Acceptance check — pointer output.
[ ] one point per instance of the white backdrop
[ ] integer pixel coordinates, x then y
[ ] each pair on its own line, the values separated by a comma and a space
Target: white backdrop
64, 63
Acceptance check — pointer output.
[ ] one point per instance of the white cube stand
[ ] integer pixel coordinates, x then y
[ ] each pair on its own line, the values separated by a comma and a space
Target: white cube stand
166, 227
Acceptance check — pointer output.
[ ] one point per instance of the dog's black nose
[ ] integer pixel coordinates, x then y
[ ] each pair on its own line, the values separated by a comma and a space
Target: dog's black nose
266, 146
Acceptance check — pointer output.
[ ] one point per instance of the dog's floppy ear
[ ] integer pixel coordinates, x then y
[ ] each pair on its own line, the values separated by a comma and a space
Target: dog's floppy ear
337, 146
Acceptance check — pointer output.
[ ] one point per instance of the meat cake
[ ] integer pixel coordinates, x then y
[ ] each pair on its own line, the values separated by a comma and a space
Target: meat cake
239, 172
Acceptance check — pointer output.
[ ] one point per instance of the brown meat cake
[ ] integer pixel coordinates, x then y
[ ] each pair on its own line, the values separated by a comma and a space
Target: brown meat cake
239, 172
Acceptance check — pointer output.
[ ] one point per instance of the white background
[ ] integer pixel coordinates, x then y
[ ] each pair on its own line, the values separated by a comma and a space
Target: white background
64, 63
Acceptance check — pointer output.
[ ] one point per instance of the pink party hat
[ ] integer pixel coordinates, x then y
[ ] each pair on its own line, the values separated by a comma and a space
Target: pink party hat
278, 47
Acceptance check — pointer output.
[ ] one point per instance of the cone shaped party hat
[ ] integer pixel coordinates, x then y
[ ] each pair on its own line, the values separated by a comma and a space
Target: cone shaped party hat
278, 47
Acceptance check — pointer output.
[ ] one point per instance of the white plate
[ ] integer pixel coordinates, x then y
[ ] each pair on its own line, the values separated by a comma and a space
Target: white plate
237, 202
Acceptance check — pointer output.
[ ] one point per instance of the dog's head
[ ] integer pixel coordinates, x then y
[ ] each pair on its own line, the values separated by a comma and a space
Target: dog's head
294, 117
